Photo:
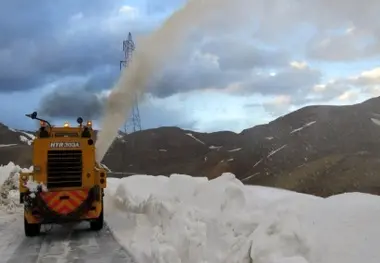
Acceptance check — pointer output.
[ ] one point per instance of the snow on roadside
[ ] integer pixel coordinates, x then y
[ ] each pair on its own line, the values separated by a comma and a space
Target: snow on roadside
6, 170
191, 220
9, 194
186, 219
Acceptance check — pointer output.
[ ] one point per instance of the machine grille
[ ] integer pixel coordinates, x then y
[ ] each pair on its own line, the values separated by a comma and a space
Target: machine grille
64, 168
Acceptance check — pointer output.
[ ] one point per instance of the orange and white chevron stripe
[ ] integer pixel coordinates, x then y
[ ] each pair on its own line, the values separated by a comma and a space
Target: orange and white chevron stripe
64, 202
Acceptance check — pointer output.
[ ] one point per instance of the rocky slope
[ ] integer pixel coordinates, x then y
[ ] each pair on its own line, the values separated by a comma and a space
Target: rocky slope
317, 149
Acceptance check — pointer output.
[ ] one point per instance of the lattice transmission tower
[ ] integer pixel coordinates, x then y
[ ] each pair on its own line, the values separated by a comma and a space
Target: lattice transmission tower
134, 121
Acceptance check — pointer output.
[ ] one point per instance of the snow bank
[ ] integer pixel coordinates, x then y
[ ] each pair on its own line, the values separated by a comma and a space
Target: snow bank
11, 168
190, 220
185, 219
9, 194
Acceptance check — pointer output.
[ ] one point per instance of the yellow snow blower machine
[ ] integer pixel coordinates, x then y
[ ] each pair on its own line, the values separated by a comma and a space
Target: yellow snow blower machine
67, 184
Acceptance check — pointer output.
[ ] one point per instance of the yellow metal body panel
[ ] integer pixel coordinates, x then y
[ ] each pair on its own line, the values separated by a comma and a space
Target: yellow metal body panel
92, 173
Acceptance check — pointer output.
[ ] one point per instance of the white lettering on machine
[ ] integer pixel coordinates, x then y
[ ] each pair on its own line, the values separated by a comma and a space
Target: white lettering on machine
64, 145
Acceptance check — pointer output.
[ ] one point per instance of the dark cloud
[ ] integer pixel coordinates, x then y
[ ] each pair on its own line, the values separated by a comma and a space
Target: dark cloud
184, 79
55, 60
352, 44
74, 97
14, 84
44, 41
73, 103
47, 42
288, 81
157, 115
68, 105
244, 54
216, 64
20, 20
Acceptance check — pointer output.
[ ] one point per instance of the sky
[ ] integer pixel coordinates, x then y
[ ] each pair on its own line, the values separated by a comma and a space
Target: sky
62, 59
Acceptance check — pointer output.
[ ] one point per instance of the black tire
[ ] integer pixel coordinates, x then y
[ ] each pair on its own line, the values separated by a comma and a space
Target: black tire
31, 230
98, 223
21, 198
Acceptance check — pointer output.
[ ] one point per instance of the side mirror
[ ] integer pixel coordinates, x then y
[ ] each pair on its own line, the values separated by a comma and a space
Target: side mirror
33, 115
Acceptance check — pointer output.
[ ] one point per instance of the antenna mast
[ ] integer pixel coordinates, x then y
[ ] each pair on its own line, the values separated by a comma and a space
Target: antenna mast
134, 120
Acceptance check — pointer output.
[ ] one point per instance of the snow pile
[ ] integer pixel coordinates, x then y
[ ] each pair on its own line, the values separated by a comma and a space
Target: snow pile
184, 219
9, 178
191, 220
34, 186
6, 172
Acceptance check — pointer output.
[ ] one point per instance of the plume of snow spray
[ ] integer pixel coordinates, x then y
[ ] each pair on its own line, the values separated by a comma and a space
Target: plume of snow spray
152, 53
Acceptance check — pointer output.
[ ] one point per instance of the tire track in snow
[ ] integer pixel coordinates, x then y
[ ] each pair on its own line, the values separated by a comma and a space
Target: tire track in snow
65, 244
11, 236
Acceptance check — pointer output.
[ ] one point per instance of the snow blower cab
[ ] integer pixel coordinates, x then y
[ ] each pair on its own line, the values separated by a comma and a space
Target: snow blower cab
67, 184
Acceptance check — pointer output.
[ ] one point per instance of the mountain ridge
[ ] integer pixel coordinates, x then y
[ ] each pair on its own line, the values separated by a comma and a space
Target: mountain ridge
303, 150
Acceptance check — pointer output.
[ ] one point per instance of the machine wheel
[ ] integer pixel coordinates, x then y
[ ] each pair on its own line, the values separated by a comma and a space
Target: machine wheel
98, 223
31, 230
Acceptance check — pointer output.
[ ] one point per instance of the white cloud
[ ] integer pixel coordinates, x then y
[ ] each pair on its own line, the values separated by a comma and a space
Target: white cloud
349, 89
319, 88
349, 96
298, 65
278, 105
373, 74
129, 12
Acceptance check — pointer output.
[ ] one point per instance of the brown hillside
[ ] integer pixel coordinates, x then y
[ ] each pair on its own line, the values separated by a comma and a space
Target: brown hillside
317, 149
